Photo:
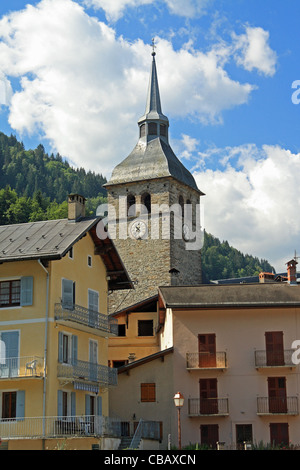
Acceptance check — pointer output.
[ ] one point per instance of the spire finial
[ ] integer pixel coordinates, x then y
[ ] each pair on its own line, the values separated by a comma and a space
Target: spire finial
153, 47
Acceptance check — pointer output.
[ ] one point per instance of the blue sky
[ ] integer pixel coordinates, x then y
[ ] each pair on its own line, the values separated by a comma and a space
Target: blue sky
74, 77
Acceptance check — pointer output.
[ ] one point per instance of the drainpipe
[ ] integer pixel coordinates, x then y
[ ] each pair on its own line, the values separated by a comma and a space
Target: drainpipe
46, 347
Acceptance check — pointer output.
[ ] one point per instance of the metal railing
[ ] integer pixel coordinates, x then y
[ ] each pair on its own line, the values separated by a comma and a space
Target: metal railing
86, 317
274, 358
57, 427
82, 370
27, 366
206, 360
277, 405
208, 406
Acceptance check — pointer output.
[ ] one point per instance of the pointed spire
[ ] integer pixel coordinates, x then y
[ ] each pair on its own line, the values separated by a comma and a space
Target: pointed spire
153, 123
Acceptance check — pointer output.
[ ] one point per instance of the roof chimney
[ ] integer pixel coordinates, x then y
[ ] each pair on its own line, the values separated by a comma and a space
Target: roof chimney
291, 271
266, 277
76, 206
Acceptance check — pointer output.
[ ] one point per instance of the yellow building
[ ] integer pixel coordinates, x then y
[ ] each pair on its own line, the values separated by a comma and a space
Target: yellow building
54, 376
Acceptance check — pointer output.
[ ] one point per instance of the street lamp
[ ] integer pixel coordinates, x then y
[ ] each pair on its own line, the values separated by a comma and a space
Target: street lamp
178, 401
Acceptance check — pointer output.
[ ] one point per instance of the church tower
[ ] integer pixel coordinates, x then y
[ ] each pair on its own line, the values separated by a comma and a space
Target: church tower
155, 203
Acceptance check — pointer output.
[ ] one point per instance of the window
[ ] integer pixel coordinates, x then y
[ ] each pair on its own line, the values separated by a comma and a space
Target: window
143, 130
163, 130
68, 293
152, 128
9, 405
277, 395
208, 396
243, 434
89, 261
146, 201
67, 348
209, 434
145, 327
274, 348
122, 330
10, 293
279, 434
9, 360
148, 392
207, 350
131, 205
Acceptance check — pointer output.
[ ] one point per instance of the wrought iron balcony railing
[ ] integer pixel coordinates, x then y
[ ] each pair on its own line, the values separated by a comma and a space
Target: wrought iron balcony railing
277, 405
28, 366
208, 406
274, 358
88, 371
86, 317
206, 360
58, 427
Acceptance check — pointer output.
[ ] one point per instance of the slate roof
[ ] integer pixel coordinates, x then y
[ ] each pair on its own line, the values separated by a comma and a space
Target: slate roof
148, 161
235, 295
52, 239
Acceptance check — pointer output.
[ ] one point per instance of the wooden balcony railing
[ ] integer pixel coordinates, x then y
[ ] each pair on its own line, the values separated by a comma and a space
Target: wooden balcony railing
84, 316
274, 359
206, 360
27, 366
208, 406
88, 371
277, 405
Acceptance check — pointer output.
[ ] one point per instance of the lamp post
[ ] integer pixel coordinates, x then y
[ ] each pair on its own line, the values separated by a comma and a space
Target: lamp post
178, 401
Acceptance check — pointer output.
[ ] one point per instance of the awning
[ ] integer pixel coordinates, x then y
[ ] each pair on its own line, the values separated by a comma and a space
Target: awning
86, 387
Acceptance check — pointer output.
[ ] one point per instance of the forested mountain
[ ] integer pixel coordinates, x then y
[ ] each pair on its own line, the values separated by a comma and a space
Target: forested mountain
222, 261
34, 186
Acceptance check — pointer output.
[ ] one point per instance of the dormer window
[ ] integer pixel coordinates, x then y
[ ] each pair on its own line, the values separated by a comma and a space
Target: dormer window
152, 128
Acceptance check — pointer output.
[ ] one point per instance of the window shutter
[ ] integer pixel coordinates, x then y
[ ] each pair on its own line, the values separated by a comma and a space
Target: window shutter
87, 405
26, 291
59, 403
68, 290
60, 346
20, 407
148, 392
93, 301
99, 406
74, 349
73, 404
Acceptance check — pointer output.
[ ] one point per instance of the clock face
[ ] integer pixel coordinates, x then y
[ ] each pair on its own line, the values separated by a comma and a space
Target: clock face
138, 229
185, 232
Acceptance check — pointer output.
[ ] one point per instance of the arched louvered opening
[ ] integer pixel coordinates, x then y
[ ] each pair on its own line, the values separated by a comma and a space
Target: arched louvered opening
181, 203
146, 201
131, 211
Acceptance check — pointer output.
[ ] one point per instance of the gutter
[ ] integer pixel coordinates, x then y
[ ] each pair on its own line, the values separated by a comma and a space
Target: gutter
46, 344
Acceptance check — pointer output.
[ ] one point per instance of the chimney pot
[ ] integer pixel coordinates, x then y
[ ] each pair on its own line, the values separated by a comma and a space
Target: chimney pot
76, 206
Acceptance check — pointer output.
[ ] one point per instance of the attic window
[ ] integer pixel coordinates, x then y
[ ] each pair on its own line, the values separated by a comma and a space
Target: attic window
152, 128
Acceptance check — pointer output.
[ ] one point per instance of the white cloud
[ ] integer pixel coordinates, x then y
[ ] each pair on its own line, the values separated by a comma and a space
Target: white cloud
114, 9
254, 52
255, 206
83, 88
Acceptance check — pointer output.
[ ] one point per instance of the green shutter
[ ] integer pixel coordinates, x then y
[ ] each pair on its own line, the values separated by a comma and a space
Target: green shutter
99, 406
74, 349
26, 291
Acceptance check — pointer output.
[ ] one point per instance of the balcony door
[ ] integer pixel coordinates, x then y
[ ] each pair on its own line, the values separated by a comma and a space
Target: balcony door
208, 396
9, 364
274, 348
277, 395
207, 350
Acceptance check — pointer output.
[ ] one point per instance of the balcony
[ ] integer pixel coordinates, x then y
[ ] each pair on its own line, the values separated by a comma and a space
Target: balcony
208, 407
82, 372
21, 367
78, 316
206, 360
59, 427
266, 359
277, 406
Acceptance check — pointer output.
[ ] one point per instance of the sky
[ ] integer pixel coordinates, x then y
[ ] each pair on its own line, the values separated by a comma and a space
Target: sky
74, 76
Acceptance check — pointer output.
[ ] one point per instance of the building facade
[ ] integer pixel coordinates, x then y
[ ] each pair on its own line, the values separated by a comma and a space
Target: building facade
54, 329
